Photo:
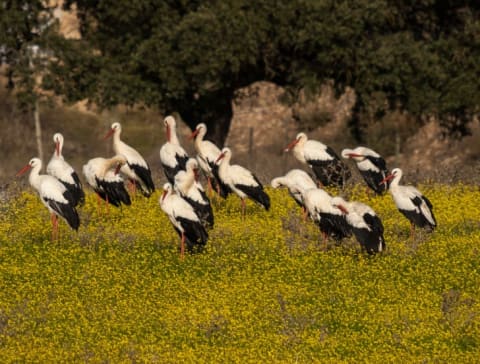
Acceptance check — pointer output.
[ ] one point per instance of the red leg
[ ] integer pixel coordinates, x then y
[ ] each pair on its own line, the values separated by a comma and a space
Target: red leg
324, 240
209, 186
182, 247
244, 208
304, 213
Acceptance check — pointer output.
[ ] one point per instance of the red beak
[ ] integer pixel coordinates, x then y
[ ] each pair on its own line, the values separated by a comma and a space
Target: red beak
164, 194
196, 174
386, 179
353, 155
194, 134
219, 157
117, 168
57, 148
109, 134
291, 145
168, 133
343, 209
23, 170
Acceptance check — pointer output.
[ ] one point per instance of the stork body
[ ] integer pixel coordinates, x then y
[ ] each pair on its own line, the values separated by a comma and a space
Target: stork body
295, 180
207, 154
241, 181
172, 156
184, 220
53, 194
102, 175
411, 202
325, 163
136, 168
64, 172
329, 219
187, 186
371, 166
364, 222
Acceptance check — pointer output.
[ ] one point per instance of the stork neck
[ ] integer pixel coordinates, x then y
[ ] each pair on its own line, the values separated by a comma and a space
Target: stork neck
173, 135
34, 177
116, 139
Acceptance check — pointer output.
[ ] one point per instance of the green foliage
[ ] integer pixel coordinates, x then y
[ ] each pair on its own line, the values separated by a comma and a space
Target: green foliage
264, 290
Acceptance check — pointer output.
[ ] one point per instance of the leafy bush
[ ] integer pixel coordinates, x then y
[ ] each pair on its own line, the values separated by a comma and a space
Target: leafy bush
264, 290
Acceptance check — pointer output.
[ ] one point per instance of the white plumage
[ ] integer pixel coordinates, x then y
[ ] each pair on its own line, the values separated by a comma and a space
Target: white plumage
411, 202
184, 220
323, 160
64, 172
53, 194
371, 166
295, 180
102, 174
136, 168
364, 222
187, 186
207, 154
241, 181
172, 156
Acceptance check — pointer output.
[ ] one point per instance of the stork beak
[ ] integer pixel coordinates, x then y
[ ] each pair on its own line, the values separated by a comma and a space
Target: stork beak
117, 168
168, 133
194, 134
219, 158
291, 145
196, 174
386, 179
109, 134
164, 194
57, 148
353, 155
343, 209
23, 170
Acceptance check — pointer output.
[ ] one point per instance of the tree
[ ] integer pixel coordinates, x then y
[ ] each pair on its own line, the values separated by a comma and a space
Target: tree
192, 56
26, 28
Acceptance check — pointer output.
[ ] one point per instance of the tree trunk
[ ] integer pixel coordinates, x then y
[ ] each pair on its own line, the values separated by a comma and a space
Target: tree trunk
38, 130
215, 111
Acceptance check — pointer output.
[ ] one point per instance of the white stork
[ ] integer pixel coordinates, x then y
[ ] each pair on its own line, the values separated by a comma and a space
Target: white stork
371, 166
295, 180
325, 163
411, 203
184, 220
187, 186
64, 172
136, 168
329, 219
241, 181
54, 195
366, 225
102, 174
172, 156
207, 154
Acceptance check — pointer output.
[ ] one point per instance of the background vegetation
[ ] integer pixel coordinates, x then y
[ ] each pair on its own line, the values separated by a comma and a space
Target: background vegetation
265, 289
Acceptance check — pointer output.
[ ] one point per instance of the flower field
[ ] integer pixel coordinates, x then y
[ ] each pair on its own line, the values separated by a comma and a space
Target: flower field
265, 289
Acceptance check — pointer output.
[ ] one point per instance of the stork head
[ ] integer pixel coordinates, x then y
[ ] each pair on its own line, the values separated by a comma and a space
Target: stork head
170, 124
340, 204
119, 161
301, 137
167, 189
226, 153
115, 127
192, 165
34, 162
58, 140
396, 173
277, 182
201, 130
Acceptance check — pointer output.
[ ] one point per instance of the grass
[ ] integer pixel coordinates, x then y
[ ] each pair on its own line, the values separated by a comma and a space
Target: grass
265, 290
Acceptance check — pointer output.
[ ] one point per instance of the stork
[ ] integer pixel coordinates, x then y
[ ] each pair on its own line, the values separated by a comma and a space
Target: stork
136, 168
325, 163
64, 172
295, 180
364, 222
411, 203
187, 186
102, 174
184, 220
53, 194
371, 166
241, 181
172, 156
207, 154
329, 219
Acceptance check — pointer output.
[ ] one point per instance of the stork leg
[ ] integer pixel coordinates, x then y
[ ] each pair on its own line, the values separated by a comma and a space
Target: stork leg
412, 231
182, 247
304, 213
54, 219
132, 187
324, 234
209, 187
244, 208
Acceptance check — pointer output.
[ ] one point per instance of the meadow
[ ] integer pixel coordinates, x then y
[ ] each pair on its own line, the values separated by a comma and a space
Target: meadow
265, 289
